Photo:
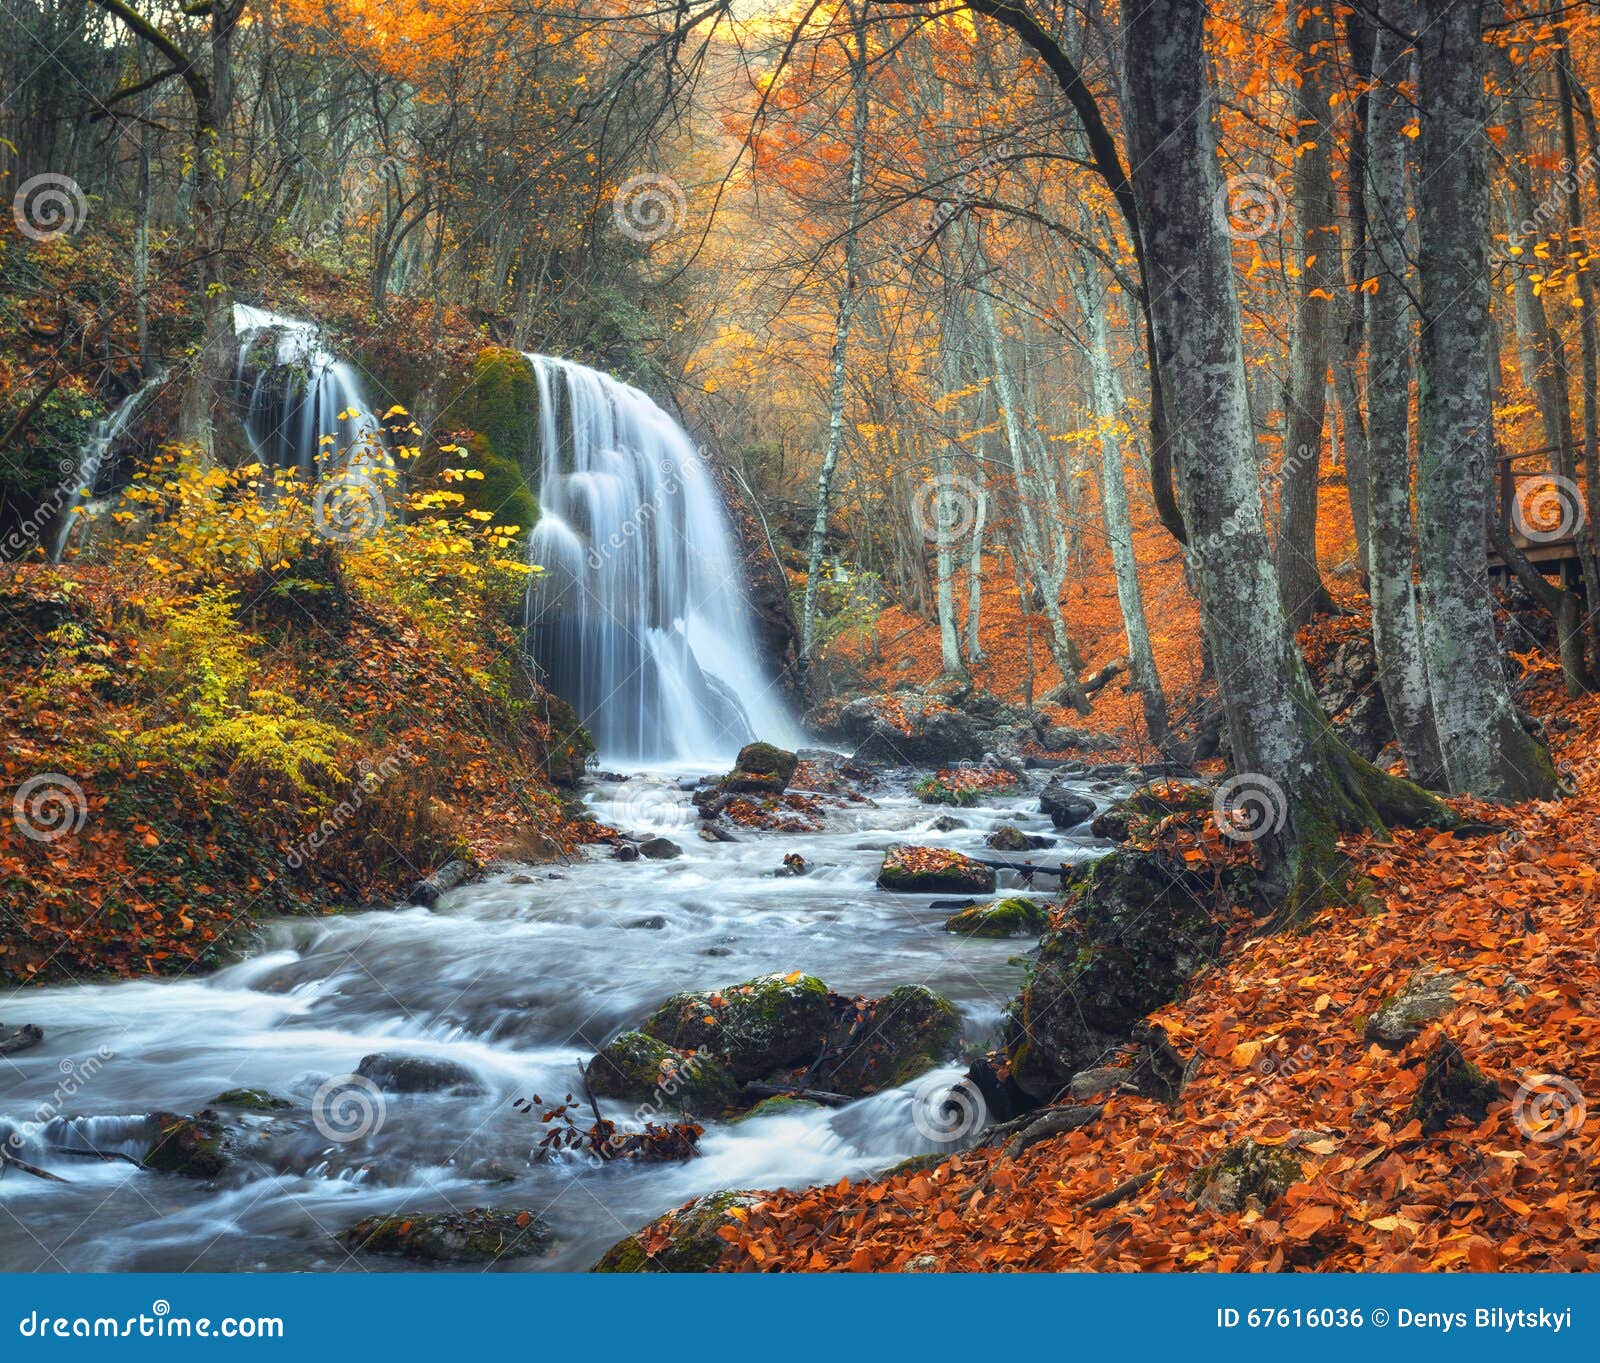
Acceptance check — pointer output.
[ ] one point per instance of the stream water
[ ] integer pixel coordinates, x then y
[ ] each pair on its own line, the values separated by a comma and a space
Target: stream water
518, 979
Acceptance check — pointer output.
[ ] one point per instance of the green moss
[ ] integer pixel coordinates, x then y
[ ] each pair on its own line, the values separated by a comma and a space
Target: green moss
502, 491
693, 1245
1245, 1175
777, 1107
641, 1069
905, 1033
952, 873
1452, 1087
476, 1236
759, 1027
935, 792
252, 1100
192, 1146
502, 404
1003, 918
761, 768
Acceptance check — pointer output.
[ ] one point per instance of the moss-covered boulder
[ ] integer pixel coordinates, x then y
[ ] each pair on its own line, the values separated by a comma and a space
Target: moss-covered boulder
1136, 814
1141, 925
479, 1235
1245, 1176
895, 1038
1423, 998
780, 1105
1015, 917
640, 1069
191, 1146
251, 1100
682, 1241
1009, 838
934, 791
1452, 1089
761, 769
933, 870
758, 1027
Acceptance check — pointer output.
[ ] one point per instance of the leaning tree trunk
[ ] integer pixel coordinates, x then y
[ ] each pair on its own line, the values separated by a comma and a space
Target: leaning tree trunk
1317, 256
1300, 785
1396, 630
1486, 750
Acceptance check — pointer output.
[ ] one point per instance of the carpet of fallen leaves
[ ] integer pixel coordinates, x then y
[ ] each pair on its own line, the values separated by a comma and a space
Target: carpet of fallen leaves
1508, 905
166, 871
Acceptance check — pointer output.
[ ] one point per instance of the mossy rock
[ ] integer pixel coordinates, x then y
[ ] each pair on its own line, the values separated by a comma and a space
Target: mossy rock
252, 1100
1244, 1176
640, 1069
1009, 838
502, 404
1423, 998
905, 1033
691, 1244
1136, 814
933, 791
503, 490
758, 1027
761, 769
778, 1106
479, 1235
1003, 918
941, 872
917, 1164
191, 1146
1452, 1088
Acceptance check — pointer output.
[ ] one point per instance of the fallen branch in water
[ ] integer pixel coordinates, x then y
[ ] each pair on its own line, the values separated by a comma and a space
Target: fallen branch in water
10, 1161
822, 1096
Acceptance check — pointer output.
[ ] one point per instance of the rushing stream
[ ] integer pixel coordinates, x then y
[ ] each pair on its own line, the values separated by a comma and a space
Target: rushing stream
517, 979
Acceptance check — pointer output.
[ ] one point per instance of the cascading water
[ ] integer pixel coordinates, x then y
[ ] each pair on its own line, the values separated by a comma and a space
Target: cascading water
640, 618
301, 394
108, 430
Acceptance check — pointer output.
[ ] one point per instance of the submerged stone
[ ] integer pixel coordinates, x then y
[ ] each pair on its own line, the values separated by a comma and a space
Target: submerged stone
479, 1235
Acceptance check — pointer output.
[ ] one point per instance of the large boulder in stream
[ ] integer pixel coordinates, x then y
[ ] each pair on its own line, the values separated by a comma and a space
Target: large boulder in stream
1143, 924
890, 1041
683, 1241
1066, 807
191, 1146
640, 1069
933, 870
417, 1074
479, 1235
1014, 917
1136, 814
761, 769
758, 1027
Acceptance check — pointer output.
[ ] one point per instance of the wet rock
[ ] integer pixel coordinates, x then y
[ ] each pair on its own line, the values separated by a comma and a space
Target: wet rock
793, 865
1066, 808
713, 832
16, 1040
1424, 998
626, 851
758, 1027
191, 1146
654, 923
252, 1100
1452, 1088
1245, 1176
1008, 838
692, 1243
1142, 926
640, 1069
1147, 806
417, 1074
948, 823
761, 769
717, 951
479, 1235
660, 849
897, 1037
1014, 917
778, 1106
910, 729
932, 870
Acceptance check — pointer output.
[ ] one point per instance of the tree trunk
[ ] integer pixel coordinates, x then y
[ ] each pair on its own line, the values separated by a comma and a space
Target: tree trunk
1486, 750
1298, 784
1396, 630
1317, 255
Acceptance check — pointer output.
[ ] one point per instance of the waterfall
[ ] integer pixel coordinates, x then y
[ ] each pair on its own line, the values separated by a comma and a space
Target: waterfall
301, 394
640, 618
78, 493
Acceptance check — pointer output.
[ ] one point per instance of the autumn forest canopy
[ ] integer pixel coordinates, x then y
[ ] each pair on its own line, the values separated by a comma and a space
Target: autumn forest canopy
908, 635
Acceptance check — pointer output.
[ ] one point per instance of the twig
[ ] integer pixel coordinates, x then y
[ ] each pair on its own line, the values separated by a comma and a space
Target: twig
1123, 1190
10, 1161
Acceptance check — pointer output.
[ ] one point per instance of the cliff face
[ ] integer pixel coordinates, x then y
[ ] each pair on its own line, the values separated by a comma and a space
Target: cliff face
766, 588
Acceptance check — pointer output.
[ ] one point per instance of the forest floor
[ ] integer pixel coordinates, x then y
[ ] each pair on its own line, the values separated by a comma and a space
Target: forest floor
133, 850
1277, 1033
